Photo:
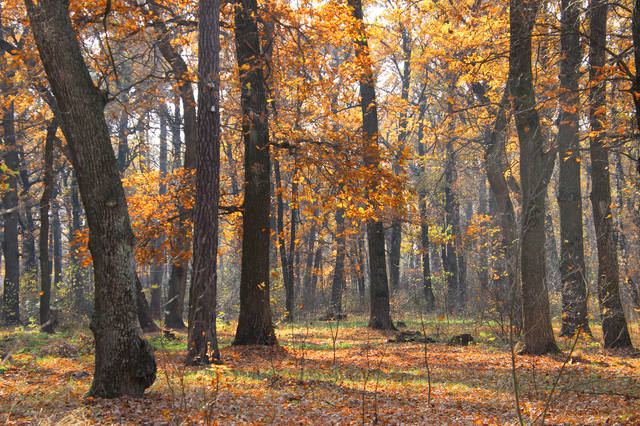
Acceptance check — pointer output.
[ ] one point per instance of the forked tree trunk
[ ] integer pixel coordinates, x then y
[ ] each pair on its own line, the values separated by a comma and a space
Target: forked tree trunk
254, 322
202, 340
614, 324
124, 362
572, 265
534, 175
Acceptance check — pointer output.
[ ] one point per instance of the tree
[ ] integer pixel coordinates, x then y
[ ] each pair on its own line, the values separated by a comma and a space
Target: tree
124, 362
572, 266
380, 315
614, 324
254, 322
202, 294
535, 170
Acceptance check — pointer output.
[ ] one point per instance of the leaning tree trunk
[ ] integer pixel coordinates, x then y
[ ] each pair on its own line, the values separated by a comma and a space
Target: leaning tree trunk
380, 314
255, 325
124, 362
45, 262
534, 175
572, 265
202, 339
614, 324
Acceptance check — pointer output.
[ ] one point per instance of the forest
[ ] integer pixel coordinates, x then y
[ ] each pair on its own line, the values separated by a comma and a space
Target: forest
320, 212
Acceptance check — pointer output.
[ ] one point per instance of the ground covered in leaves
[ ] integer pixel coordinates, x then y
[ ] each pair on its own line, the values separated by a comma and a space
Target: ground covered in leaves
327, 373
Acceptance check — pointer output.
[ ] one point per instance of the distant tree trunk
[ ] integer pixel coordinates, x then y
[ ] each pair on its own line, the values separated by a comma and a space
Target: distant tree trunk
45, 263
572, 265
11, 295
180, 262
361, 270
635, 88
78, 285
452, 218
124, 362
429, 297
157, 267
317, 271
338, 282
534, 175
285, 260
308, 302
57, 235
254, 322
202, 339
614, 324
380, 315
123, 144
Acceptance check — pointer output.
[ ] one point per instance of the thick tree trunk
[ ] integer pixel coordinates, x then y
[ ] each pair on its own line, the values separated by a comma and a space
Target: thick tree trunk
254, 322
572, 264
11, 295
202, 340
380, 315
614, 324
534, 171
124, 362
45, 263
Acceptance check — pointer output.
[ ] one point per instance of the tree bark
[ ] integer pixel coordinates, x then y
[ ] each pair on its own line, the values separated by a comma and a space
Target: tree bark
308, 300
254, 322
202, 339
338, 282
452, 219
45, 263
534, 171
285, 259
124, 362
380, 314
572, 264
11, 295
614, 324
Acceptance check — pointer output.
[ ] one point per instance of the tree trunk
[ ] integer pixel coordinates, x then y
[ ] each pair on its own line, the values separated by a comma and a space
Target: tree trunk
202, 339
308, 302
338, 282
78, 285
11, 295
534, 172
45, 263
380, 315
124, 362
254, 322
572, 265
180, 262
452, 218
614, 324
285, 259
157, 267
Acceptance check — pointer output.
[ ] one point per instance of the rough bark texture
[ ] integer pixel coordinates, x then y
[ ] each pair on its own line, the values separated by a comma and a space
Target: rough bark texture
11, 295
572, 265
254, 322
380, 314
614, 324
45, 263
202, 340
538, 333
124, 362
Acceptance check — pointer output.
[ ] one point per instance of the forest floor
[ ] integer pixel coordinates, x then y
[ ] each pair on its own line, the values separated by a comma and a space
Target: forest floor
322, 376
